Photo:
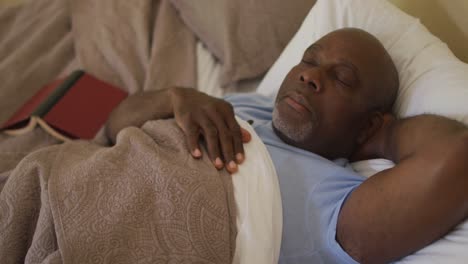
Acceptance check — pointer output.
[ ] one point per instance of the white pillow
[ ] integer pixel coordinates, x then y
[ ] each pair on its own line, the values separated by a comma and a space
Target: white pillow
432, 80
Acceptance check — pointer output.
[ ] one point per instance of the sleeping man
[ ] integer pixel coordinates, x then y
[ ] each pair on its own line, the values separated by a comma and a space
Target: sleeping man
333, 106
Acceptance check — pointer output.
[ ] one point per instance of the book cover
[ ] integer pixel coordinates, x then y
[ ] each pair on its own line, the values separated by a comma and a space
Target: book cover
76, 107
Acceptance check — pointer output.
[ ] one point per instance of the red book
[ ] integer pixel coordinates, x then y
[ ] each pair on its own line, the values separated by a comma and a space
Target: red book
76, 107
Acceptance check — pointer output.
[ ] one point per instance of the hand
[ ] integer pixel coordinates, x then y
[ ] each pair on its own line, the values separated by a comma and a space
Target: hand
199, 114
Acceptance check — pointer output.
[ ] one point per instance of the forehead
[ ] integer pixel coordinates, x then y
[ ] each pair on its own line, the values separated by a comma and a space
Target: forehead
344, 47
360, 51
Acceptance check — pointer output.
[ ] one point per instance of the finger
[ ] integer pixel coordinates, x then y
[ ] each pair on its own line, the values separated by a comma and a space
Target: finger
237, 142
210, 134
246, 137
192, 136
237, 135
239, 150
225, 142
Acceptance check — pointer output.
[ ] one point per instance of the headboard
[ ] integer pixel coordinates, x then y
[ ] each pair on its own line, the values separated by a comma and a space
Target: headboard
446, 19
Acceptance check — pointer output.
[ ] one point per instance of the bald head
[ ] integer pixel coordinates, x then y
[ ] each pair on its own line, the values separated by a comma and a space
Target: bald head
327, 99
382, 73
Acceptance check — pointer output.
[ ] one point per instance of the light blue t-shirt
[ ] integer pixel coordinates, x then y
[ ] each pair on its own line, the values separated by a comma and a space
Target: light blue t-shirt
313, 189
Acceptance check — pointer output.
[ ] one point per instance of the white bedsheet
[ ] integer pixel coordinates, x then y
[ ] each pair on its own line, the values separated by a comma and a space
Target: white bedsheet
259, 208
256, 188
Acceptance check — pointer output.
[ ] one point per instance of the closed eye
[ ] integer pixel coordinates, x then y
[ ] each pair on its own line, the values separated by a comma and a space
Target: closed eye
343, 82
309, 62
345, 77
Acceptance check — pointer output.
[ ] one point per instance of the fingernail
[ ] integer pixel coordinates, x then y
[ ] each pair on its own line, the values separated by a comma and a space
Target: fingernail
239, 157
232, 165
196, 153
218, 163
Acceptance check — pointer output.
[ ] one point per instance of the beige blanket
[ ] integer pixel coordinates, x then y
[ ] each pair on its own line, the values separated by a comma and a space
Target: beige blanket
145, 200
136, 45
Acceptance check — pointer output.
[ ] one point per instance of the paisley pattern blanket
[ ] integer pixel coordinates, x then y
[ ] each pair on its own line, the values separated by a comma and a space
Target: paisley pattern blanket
144, 200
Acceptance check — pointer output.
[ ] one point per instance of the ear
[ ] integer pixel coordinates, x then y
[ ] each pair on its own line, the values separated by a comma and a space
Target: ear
369, 142
371, 126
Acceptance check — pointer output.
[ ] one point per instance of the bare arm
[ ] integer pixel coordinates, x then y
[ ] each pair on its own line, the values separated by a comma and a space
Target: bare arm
403, 209
197, 114
137, 109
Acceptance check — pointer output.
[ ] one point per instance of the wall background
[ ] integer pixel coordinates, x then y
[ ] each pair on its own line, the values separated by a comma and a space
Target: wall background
447, 19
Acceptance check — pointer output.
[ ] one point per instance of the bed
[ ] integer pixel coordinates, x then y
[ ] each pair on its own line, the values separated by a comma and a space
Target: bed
216, 71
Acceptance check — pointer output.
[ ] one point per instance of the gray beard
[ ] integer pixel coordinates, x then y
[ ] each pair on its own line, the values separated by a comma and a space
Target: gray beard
295, 134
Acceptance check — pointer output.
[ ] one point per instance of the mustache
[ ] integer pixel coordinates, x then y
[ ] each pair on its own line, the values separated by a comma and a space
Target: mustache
299, 98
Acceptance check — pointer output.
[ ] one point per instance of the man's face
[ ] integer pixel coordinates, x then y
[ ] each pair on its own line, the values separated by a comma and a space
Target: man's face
321, 105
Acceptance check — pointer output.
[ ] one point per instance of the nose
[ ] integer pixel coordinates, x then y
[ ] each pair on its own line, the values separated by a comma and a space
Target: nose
311, 78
